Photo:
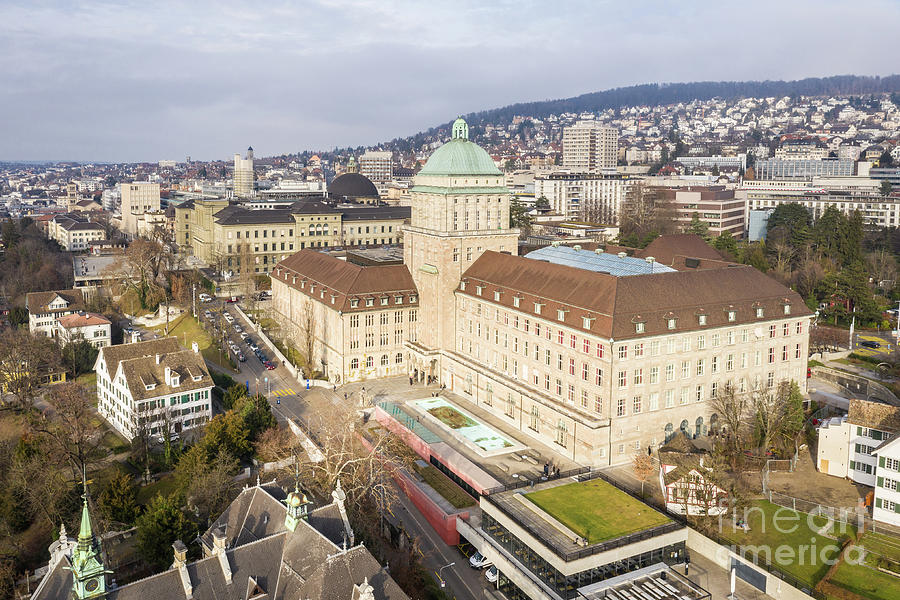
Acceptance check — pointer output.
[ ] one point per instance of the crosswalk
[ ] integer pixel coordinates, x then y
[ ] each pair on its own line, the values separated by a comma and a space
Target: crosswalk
283, 392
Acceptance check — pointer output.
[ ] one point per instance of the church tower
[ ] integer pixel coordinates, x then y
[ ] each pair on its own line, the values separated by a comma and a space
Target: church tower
88, 572
460, 208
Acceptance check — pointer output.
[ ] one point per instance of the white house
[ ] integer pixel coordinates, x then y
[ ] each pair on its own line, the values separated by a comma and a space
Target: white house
847, 444
685, 480
156, 387
887, 483
91, 327
46, 308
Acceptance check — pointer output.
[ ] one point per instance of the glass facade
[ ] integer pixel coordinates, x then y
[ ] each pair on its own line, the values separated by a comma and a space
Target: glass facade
567, 585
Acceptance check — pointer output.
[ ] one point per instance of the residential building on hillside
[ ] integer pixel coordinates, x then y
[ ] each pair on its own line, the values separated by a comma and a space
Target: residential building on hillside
74, 233
589, 147
378, 167
234, 238
801, 150
595, 198
90, 327
46, 308
138, 198
708, 162
242, 177
847, 444
713, 205
687, 479
154, 388
886, 506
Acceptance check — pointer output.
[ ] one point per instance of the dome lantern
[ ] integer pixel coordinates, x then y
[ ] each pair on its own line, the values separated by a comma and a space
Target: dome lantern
460, 130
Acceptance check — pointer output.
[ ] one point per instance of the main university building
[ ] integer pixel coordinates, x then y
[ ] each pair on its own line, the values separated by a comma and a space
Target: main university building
596, 355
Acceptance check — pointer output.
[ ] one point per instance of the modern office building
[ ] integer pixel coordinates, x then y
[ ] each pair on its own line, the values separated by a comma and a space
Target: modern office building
595, 198
378, 167
589, 147
138, 198
780, 168
714, 205
242, 178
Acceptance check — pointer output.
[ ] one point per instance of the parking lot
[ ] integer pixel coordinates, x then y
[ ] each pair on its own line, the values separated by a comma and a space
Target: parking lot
874, 345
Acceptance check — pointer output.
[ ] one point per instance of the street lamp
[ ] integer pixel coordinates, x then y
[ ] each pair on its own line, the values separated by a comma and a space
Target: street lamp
441, 570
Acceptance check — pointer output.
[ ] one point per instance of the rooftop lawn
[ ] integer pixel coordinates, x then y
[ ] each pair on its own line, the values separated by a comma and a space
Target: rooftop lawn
442, 484
596, 510
790, 530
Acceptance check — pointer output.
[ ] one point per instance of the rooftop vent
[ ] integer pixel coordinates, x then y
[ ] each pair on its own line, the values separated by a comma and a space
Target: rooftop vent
576, 247
650, 260
554, 244
622, 254
598, 251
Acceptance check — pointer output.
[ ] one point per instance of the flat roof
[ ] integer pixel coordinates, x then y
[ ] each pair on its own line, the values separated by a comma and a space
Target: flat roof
599, 262
658, 581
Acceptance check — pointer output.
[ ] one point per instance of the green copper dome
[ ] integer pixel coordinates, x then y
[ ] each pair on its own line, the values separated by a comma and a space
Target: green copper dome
459, 156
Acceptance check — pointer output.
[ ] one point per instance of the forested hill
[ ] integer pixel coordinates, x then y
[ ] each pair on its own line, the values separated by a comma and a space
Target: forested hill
672, 93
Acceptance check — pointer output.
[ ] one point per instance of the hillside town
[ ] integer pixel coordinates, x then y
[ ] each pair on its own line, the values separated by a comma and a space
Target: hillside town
592, 355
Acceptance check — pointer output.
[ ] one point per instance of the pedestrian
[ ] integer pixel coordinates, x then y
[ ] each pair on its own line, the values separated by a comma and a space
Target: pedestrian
410, 380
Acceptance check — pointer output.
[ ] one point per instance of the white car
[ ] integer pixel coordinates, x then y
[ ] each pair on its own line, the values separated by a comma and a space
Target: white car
229, 318
492, 574
478, 561
205, 298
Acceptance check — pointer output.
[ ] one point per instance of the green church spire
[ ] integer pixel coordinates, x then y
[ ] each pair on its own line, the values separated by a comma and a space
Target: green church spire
88, 572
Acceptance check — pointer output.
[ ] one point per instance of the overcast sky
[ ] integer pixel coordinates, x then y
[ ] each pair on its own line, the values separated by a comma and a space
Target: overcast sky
147, 80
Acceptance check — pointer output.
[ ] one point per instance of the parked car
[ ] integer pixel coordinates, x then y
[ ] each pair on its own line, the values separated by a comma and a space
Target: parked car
478, 561
241, 357
492, 574
205, 298
238, 328
253, 347
229, 318
232, 299
869, 344
244, 335
269, 365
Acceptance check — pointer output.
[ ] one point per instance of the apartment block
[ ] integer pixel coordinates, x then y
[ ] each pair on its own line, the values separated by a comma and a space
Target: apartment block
589, 147
713, 205
138, 198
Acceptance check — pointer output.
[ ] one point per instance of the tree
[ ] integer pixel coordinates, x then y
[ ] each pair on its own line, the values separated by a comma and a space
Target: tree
227, 433
144, 261
233, 394
886, 188
732, 409
162, 523
644, 211
698, 227
726, 244
211, 489
25, 360
69, 429
118, 499
307, 331
256, 414
518, 216
643, 467
9, 233
80, 355
886, 160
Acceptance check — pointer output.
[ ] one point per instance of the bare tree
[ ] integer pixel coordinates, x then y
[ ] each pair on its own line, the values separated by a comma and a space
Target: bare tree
144, 261
645, 210
25, 360
643, 467
68, 427
307, 330
733, 410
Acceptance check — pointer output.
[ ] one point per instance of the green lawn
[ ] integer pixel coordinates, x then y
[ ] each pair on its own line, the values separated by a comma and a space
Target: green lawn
866, 582
773, 527
188, 330
596, 510
88, 380
442, 484
164, 486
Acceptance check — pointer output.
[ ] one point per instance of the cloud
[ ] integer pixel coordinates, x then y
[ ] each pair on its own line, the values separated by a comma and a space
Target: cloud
143, 81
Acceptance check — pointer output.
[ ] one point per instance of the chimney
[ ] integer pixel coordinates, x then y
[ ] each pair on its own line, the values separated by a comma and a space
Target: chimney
180, 563
158, 358
195, 347
219, 550
168, 372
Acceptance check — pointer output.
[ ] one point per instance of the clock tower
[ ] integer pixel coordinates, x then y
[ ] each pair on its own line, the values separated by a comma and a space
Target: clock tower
88, 572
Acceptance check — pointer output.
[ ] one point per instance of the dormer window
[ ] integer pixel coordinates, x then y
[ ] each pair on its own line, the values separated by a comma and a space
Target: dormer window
398, 299
370, 301
174, 380
732, 316
497, 296
462, 285
312, 288
787, 309
479, 289
149, 386
197, 377
332, 298
760, 312
639, 327
671, 322
587, 322
538, 307
354, 303
561, 314
701, 320
384, 301
413, 298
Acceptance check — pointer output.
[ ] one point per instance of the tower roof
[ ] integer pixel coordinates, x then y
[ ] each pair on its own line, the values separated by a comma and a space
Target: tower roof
460, 156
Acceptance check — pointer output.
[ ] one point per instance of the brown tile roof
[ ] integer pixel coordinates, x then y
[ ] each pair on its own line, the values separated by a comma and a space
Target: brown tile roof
140, 367
615, 304
666, 247
37, 302
874, 415
321, 276
83, 319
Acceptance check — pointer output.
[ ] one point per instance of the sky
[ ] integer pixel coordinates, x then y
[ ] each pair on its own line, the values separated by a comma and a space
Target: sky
123, 81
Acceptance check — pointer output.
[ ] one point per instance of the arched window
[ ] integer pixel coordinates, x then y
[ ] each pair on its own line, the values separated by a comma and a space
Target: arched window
561, 434
399, 358
370, 362
684, 427
699, 426
354, 363
714, 423
670, 431
385, 361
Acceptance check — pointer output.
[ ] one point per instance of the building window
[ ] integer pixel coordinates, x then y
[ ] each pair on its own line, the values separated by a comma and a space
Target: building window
638, 377
385, 361
701, 319
639, 328
623, 352
670, 323
620, 407
399, 358
760, 312
637, 404
535, 418
623, 378
732, 316
370, 361
561, 435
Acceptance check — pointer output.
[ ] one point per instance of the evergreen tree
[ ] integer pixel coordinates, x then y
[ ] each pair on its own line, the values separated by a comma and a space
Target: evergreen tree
726, 244
118, 499
163, 522
698, 227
